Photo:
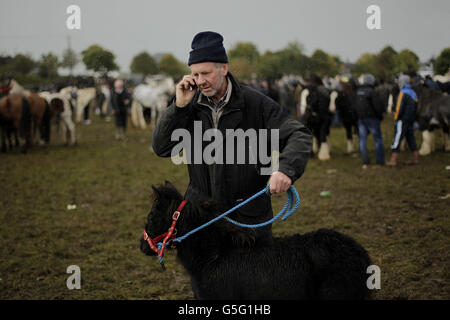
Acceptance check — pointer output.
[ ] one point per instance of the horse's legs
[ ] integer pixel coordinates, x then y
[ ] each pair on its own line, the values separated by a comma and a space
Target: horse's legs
445, 132
324, 149
3, 129
147, 115
64, 133
16, 138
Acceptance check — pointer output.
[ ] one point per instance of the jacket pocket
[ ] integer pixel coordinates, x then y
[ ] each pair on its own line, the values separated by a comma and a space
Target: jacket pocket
259, 207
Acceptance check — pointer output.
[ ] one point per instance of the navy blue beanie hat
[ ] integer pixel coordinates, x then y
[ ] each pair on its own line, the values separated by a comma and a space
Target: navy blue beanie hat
207, 46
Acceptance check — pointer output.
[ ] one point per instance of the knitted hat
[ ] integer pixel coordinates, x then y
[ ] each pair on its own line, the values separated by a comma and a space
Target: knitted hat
207, 46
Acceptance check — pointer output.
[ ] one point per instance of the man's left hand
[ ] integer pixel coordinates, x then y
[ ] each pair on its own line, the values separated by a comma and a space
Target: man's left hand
279, 182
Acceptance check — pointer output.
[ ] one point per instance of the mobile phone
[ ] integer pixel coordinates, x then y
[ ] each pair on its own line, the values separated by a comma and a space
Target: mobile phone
193, 87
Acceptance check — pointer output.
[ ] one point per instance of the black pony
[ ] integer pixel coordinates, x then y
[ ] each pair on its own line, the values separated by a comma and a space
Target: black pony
224, 262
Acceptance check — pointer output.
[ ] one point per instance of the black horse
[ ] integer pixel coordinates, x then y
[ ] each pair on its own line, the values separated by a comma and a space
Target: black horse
224, 262
346, 111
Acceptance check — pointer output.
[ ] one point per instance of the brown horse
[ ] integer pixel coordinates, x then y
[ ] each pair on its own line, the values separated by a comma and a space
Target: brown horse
15, 116
41, 116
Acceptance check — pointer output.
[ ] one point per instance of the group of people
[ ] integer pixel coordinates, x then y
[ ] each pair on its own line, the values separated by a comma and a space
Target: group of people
370, 113
368, 109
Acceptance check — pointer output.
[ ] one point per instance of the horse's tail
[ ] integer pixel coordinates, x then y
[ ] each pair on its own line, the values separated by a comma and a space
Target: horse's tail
45, 124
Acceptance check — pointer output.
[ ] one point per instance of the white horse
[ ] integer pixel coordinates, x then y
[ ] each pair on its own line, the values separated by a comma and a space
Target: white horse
85, 97
65, 123
107, 93
79, 98
154, 93
18, 89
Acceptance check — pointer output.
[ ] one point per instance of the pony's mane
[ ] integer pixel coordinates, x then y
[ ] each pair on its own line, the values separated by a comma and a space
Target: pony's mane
166, 190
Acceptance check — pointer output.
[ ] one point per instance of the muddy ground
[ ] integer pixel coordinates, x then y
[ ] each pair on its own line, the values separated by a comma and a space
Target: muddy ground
396, 214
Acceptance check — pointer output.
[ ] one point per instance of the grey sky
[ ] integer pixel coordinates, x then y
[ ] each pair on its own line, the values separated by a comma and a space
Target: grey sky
129, 27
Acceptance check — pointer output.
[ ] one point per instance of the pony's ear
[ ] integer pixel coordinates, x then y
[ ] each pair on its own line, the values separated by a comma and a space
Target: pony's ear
156, 192
168, 184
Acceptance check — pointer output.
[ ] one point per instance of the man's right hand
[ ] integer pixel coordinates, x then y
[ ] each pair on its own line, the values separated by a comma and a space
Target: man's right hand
184, 93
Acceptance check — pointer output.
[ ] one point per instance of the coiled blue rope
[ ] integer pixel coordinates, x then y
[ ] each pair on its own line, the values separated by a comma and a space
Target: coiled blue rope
289, 206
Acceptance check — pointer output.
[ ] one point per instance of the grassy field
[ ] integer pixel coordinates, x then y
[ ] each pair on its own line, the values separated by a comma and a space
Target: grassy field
396, 214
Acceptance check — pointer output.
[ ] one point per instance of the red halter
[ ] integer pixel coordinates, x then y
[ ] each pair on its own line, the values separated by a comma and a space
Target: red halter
167, 235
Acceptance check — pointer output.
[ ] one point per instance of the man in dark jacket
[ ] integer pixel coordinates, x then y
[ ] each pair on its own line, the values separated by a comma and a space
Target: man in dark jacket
120, 101
210, 98
370, 112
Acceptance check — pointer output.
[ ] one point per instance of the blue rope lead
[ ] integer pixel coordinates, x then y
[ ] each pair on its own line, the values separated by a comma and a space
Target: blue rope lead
289, 206
292, 192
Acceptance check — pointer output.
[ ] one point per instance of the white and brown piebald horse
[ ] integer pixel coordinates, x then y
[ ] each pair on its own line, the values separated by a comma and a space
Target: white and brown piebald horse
433, 112
58, 101
312, 102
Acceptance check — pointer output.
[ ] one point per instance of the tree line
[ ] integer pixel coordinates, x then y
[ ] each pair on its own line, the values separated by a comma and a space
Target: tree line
246, 62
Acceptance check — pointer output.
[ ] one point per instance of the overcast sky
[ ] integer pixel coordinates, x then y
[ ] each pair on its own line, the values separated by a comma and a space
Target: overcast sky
158, 26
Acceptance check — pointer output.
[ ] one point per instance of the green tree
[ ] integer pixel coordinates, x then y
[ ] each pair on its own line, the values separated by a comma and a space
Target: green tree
99, 59
292, 59
268, 66
406, 60
69, 59
325, 64
172, 66
242, 69
48, 66
144, 64
366, 63
385, 63
442, 63
244, 50
22, 64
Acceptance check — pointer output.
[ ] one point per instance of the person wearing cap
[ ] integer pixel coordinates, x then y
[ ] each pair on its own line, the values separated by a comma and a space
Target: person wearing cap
405, 114
369, 109
120, 101
212, 96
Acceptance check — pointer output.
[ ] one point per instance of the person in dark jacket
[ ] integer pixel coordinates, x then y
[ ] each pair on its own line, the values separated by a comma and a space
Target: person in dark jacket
405, 115
369, 108
210, 98
120, 101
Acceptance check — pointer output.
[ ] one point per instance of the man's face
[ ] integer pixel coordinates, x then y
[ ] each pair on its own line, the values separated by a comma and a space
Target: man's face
209, 78
118, 84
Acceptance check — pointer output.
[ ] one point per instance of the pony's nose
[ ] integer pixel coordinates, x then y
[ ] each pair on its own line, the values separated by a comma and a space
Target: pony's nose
145, 248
